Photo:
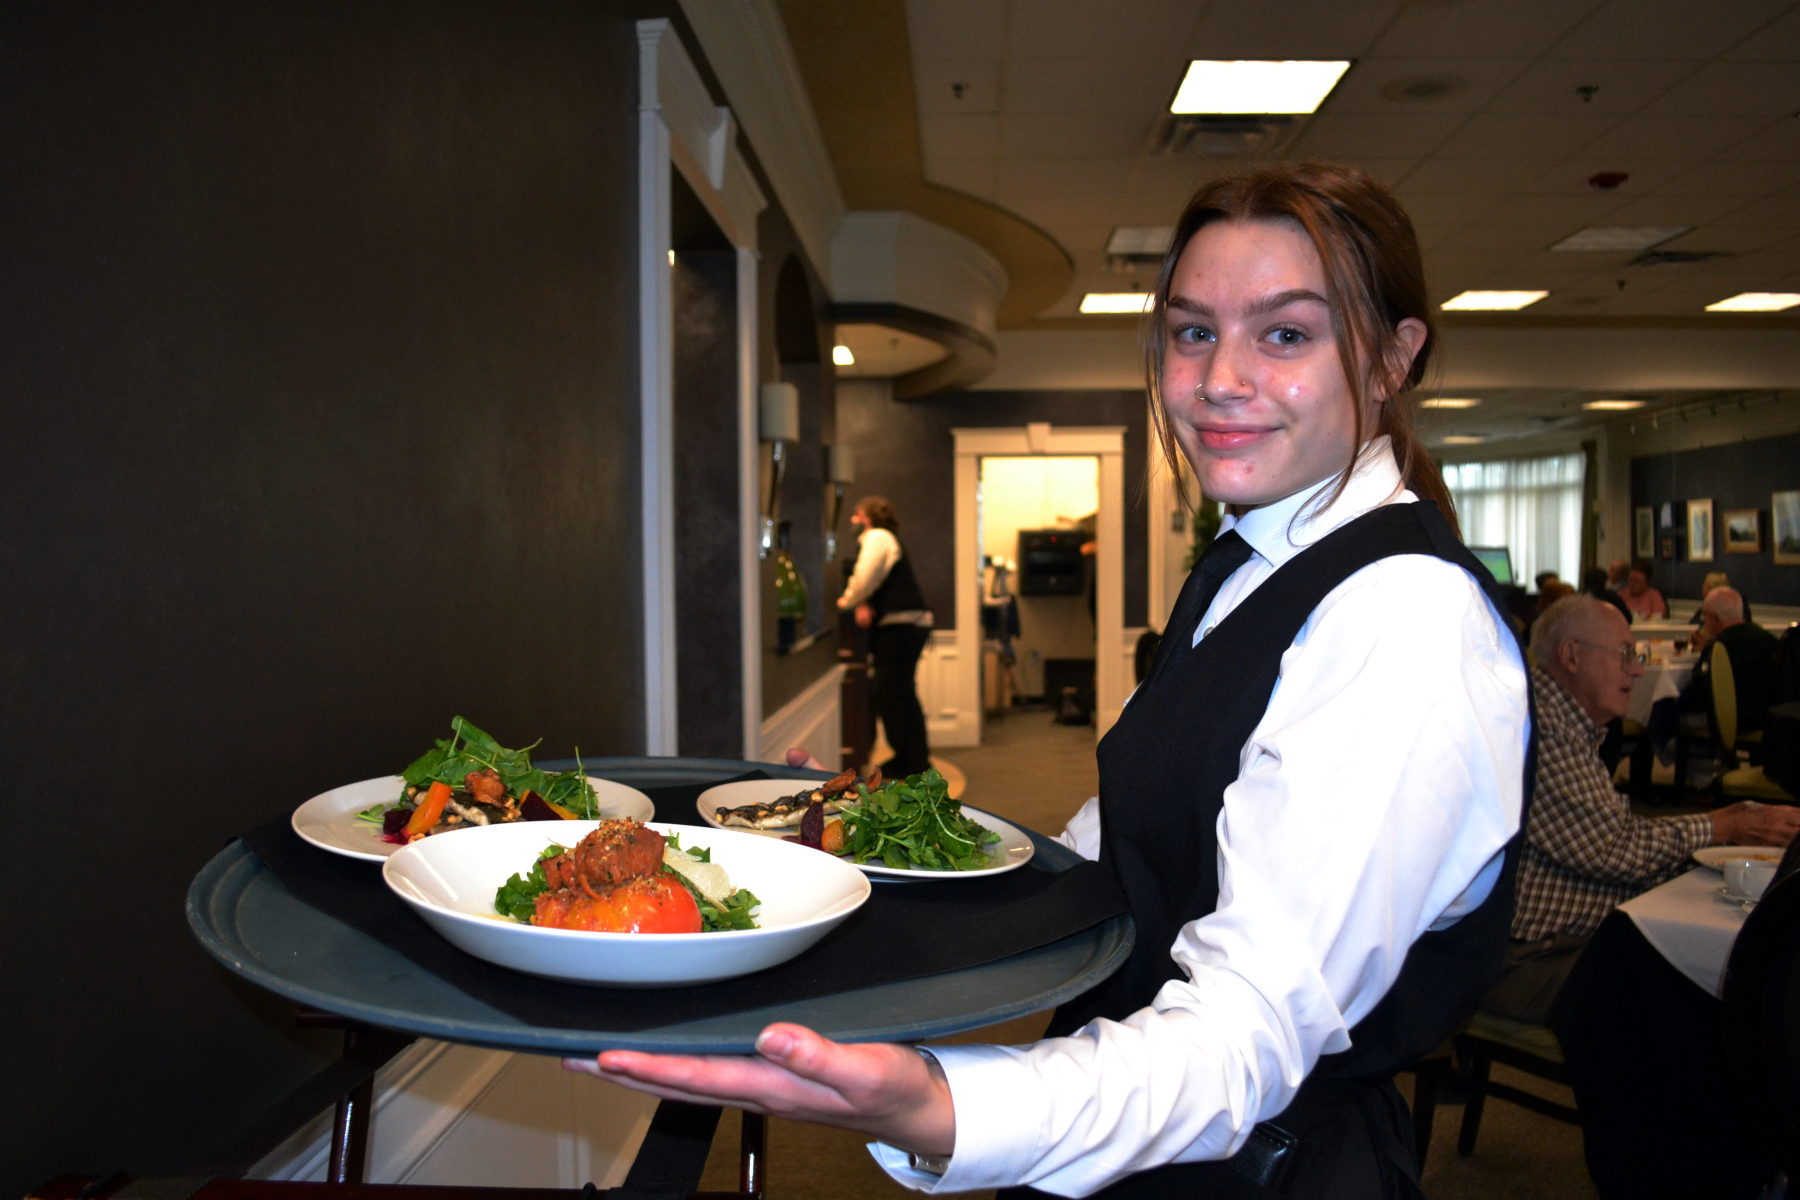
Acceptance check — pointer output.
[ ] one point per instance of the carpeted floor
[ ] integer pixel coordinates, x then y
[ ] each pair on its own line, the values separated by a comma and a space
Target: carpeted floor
1037, 773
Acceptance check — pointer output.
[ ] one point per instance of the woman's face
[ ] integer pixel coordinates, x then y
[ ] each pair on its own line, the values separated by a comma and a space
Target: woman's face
1249, 326
1637, 583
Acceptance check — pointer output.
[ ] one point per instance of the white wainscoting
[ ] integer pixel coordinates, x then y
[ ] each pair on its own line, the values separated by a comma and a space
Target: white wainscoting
451, 1115
813, 719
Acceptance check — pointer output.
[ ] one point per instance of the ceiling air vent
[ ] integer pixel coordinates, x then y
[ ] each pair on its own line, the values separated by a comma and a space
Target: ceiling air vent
1231, 135
1662, 260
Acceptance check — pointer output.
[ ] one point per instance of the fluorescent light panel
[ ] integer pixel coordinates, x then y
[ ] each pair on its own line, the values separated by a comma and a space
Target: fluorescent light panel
1463, 439
1491, 301
841, 356
1213, 87
1756, 302
1620, 237
1140, 239
1449, 402
1116, 302
1612, 405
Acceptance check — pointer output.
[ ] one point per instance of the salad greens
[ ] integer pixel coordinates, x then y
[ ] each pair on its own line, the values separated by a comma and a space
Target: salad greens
517, 897
469, 749
914, 822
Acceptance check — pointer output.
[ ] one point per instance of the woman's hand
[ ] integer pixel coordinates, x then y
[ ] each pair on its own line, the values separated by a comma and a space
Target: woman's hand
865, 615
891, 1092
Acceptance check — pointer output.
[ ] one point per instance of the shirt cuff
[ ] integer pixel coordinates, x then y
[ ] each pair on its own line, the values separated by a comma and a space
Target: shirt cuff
999, 1119
898, 1165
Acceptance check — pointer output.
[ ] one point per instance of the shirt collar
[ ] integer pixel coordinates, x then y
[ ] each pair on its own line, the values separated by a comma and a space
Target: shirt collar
1281, 530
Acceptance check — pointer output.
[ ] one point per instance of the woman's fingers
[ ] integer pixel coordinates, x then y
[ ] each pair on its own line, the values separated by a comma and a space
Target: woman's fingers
797, 756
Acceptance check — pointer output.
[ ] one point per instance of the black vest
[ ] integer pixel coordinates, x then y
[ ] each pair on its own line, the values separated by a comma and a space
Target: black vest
899, 592
1164, 768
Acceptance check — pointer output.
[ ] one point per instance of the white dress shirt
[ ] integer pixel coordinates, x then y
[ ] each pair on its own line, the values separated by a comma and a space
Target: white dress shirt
1373, 802
876, 553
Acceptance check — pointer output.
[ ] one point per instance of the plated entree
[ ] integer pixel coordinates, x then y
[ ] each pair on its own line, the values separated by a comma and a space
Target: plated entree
626, 878
470, 779
789, 810
908, 824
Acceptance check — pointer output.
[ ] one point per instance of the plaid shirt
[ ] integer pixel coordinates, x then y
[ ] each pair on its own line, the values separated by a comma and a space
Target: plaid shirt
1584, 850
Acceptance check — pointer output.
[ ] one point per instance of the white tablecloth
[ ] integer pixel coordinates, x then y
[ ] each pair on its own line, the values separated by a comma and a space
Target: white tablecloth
1658, 682
1690, 924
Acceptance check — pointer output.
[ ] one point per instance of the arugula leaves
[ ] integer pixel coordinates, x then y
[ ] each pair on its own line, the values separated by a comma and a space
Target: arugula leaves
912, 822
734, 915
470, 749
517, 897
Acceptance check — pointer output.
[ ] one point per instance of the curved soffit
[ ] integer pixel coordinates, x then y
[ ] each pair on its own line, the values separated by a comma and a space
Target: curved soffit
853, 54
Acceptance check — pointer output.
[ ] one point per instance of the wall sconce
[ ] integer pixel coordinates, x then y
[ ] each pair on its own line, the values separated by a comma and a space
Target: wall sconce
778, 413
840, 468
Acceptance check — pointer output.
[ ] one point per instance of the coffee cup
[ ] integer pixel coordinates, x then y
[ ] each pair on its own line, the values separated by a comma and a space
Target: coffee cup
1748, 878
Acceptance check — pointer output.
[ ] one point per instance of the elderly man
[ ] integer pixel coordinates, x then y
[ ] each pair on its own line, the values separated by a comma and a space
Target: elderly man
1585, 851
1751, 649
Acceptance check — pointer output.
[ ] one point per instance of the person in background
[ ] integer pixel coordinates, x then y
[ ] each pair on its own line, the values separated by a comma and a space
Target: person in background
1585, 852
1751, 649
1544, 577
1595, 583
1616, 571
1713, 580
886, 598
1550, 590
1644, 601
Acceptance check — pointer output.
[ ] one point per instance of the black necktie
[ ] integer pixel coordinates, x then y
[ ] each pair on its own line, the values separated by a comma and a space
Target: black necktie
1227, 553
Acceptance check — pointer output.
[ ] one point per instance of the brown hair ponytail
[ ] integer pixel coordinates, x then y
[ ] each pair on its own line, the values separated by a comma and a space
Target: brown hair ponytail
1374, 279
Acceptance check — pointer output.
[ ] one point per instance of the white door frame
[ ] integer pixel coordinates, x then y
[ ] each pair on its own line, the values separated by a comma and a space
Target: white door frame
680, 128
1107, 443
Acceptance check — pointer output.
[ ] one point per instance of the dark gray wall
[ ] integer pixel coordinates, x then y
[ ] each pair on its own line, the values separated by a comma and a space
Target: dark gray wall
905, 451
319, 390
1740, 475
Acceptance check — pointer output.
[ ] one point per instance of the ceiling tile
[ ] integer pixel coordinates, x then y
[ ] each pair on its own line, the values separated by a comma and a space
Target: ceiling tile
1116, 29
1733, 177
1065, 180
1668, 29
1570, 176
1736, 89
944, 139
1778, 41
1073, 135
971, 176
957, 85
1519, 135
1400, 135
1092, 85
1502, 28
1730, 237
1778, 140
956, 29
1672, 137
1317, 29
1471, 177
1552, 86
1673, 210
1360, 91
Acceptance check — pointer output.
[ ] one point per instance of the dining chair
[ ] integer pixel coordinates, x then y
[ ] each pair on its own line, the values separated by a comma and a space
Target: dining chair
1526, 1047
1734, 780
1759, 1009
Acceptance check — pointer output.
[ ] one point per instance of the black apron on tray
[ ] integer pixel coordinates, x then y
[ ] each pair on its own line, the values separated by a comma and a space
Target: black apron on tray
1164, 768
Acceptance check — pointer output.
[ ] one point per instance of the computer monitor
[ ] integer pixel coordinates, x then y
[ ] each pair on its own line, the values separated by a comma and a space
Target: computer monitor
1496, 560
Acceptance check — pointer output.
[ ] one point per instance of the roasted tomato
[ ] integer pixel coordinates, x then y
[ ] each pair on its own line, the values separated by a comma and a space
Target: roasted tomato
646, 904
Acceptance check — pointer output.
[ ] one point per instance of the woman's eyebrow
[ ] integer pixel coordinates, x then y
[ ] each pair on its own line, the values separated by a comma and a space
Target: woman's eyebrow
1186, 304
1277, 300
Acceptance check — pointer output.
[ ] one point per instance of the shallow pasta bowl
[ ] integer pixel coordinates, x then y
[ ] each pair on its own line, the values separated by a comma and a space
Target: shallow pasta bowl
450, 882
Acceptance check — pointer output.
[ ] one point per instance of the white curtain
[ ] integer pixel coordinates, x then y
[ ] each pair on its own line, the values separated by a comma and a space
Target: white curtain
1532, 506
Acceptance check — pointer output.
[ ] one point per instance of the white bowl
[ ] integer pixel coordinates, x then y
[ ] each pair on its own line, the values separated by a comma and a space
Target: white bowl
450, 882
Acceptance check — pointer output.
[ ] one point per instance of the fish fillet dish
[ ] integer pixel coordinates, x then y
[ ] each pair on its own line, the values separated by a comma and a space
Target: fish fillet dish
627, 878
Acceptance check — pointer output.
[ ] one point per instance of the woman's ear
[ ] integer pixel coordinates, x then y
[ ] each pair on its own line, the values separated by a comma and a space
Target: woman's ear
1409, 338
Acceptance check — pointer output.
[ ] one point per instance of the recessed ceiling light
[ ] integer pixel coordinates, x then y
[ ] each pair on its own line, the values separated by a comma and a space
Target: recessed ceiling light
841, 356
1620, 237
1136, 240
1256, 87
1116, 302
1756, 302
1613, 405
1491, 301
1464, 439
1449, 402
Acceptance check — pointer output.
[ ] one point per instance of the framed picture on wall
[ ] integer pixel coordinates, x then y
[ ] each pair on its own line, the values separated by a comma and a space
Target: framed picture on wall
1645, 524
1700, 530
1668, 545
1666, 515
1743, 531
1784, 532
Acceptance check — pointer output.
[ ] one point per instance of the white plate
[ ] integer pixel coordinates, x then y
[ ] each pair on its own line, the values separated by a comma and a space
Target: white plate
450, 882
329, 821
1012, 851
1715, 857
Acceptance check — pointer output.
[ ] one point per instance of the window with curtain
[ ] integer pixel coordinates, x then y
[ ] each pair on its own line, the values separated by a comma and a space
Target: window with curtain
1532, 506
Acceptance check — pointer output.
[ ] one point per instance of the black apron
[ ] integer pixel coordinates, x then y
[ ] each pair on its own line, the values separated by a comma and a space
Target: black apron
1164, 768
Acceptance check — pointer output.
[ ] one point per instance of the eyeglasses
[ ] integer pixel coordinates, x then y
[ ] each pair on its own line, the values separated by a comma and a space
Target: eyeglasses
1627, 655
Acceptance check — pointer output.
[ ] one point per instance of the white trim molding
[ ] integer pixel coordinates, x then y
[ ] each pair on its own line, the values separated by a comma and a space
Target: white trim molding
814, 720
948, 721
679, 127
746, 45
1111, 674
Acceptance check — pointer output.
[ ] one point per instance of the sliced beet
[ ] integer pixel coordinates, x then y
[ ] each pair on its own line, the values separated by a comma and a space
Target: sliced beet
394, 820
533, 808
812, 826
